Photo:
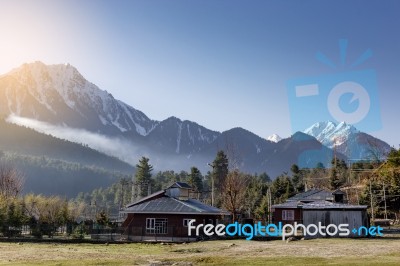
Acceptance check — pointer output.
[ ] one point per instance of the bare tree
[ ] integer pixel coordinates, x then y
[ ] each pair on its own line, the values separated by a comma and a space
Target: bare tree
76, 210
235, 157
234, 193
11, 181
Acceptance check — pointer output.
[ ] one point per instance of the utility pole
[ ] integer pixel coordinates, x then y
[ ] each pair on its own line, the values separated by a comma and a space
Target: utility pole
269, 205
212, 189
372, 205
212, 184
384, 198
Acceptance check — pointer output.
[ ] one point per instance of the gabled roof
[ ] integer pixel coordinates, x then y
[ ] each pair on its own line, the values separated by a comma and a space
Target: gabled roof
289, 205
162, 202
320, 204
149, 197
169, 205
312, 195
338, 192
180, 185
331, 205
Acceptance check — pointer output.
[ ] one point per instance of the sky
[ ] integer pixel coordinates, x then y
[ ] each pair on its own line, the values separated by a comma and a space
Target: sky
222, 64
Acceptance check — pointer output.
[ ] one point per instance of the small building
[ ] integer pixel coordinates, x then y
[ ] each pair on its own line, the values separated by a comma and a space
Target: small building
335, 213
291, 211
164, 215
317, 205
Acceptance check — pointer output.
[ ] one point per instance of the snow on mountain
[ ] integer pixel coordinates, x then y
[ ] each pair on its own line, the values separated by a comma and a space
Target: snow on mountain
330, 133
349, 141
274, 138
60, 94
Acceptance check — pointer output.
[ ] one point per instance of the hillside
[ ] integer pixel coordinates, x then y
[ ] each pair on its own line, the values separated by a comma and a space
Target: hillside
55, 166
43, 175
23, 140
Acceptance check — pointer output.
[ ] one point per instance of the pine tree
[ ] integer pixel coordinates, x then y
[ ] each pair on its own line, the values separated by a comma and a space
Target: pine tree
143, 176
220, 169
282, 188
297, 178
264, 177
262, 210
195, 179
338, 173
219, 174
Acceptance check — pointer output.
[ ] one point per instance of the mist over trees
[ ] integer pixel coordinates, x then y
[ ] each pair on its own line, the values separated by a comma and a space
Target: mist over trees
244, 195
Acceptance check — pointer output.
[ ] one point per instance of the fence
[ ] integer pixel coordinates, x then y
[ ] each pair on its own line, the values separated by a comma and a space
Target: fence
56, 231
167, 234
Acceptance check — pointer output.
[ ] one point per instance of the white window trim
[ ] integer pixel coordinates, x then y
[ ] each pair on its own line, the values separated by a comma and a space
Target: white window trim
152, 222
287, 215
157, 226
186, 221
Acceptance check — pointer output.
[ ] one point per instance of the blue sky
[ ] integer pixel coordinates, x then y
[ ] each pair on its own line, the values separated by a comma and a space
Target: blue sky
222, 64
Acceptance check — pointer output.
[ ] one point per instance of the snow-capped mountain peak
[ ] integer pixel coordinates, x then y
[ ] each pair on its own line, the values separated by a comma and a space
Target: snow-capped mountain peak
59, 94
330, 134
274, 138
346, 139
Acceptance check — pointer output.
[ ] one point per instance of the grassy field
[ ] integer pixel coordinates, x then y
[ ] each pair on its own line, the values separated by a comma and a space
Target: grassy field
379, 251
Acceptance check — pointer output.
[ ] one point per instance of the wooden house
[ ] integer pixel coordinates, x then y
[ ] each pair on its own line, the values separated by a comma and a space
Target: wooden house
164, 215
291, 211
317, 205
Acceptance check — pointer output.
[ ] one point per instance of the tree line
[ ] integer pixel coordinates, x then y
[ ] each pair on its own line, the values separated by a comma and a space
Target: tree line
373, 183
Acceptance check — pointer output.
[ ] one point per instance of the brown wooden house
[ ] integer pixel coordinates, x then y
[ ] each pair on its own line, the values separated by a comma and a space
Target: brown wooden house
164, 215
323, 206
291, 211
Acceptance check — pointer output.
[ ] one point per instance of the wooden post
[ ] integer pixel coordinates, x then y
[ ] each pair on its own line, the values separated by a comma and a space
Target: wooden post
269, 205
212, 188
384, 198
372, 205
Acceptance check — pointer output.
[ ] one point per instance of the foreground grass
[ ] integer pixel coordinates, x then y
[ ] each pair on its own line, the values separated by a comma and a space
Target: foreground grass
381, 251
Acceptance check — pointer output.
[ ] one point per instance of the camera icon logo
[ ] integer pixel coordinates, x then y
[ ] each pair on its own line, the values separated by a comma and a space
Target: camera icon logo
350, 97
358, 92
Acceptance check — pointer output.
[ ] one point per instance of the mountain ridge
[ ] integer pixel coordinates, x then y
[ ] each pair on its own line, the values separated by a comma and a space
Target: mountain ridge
60, 95
348, 140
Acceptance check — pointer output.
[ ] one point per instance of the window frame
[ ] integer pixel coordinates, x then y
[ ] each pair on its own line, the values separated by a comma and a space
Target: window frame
187, 220
157, 226
287, 215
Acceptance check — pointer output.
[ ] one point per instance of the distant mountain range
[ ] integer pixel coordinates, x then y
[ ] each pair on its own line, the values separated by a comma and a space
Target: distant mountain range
58, 100
346, 139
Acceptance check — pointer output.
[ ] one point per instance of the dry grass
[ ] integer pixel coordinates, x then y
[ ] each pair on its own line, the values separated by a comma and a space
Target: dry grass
377, 251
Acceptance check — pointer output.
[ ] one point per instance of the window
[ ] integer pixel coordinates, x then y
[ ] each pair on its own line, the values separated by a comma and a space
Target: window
288, 215
157, 226
150, 223
186, 222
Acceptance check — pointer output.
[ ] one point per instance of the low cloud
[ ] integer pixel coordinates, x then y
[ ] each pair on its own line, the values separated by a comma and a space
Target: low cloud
118, 147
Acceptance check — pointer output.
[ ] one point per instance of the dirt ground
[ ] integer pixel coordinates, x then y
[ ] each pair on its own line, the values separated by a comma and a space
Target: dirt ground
375, 251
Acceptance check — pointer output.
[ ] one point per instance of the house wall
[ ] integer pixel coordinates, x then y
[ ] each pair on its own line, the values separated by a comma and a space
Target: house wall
354, 218
277, 216
136, 226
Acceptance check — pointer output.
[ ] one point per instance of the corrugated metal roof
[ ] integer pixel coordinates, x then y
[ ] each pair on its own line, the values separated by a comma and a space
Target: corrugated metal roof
331, 205
321, 204
146, 198
312, 195
171, 205
289, 205
181, 185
